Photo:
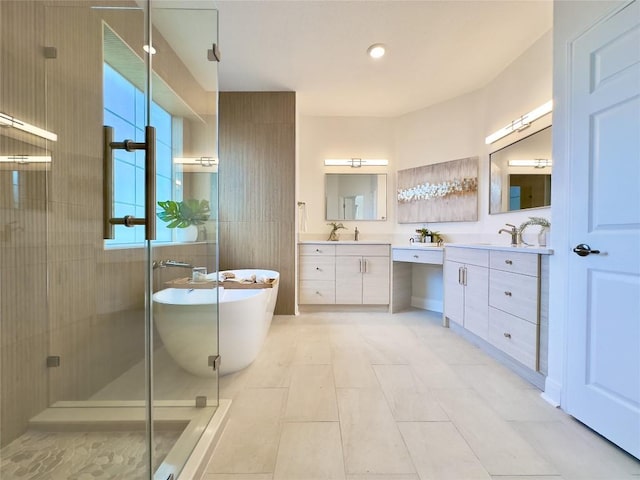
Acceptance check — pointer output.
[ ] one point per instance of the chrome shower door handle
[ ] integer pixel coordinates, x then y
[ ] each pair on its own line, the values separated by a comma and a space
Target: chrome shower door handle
149, 146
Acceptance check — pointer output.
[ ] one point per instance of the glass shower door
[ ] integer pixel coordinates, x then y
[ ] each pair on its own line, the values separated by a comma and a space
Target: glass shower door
87, 377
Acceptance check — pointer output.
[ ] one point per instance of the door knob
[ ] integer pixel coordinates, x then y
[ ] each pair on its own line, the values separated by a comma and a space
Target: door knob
583, 250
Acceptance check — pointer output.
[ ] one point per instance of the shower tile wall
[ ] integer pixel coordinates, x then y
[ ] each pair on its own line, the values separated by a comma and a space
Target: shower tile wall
92, 313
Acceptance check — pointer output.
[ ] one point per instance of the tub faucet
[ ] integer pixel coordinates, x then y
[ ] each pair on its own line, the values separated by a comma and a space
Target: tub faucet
170, 263
513, 232
356, 233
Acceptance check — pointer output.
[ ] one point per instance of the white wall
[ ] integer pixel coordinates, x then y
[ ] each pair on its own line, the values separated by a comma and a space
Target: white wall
439, 133
341, 137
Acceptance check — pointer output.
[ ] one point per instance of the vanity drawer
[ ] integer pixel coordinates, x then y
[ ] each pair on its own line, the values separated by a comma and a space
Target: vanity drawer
515, 294
317, 249
415, 255
363, 250
317, 292
472, 256
318, 268
514, 336
516, 262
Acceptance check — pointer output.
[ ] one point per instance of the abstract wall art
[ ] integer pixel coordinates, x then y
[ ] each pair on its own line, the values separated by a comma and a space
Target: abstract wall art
441, 192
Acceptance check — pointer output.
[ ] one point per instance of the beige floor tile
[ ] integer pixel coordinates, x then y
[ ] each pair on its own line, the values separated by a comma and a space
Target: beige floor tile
254, 404
371, 440
237, 476
577, 452
310, 451
440, 453
313, 352
433, 373
501, 450
249, 443
384, 476
312, 395
509, 395
407, 398
246, 447
352, 369
527, 477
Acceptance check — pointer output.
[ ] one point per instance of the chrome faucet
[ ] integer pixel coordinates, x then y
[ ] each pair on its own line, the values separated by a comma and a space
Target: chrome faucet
515, 240
356, 233
170, 263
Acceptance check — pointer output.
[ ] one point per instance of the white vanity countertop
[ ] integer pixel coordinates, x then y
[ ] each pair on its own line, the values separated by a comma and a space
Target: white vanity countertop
343, 242
505, 248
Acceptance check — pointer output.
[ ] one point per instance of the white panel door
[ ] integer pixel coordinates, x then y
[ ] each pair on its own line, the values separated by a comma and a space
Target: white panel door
603, 363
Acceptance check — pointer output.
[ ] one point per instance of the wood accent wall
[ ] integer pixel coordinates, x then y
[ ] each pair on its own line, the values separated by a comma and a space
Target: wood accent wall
257, 186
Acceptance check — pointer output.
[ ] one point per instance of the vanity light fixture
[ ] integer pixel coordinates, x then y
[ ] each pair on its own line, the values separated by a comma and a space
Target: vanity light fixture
520, 123
535, 163
9, 121
24, 159
377, 50
201, 161
356, 162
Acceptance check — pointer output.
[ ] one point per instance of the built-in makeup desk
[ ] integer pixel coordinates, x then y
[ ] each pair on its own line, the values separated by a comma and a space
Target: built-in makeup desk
405, 260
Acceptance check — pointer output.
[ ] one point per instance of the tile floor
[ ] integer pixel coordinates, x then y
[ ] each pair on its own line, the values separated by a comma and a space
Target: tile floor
374, 396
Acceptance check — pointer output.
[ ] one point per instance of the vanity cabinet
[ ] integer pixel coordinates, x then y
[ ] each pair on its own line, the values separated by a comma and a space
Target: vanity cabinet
317, 274
344, 274
466, 289
514, 305
500, 296
362, 274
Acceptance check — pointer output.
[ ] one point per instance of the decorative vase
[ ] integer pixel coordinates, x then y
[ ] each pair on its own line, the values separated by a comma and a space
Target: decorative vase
187, 234
542, 236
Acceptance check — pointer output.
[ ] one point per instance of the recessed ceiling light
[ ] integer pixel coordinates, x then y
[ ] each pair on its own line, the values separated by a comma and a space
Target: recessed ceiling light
376, 50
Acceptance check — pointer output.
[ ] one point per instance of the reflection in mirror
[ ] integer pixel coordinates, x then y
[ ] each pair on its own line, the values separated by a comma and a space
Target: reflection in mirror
356, 196
521, 174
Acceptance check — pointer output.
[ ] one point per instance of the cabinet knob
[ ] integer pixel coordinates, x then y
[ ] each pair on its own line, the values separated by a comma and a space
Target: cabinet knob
416, 256
318, 293
508, 262
318, 268
318, 250
508, 294
507, 335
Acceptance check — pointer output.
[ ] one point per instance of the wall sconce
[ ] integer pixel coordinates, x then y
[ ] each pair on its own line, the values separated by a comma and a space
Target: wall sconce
201, 161
356, 162
520, 123
9, 121
535, 163
197, 164
24, 159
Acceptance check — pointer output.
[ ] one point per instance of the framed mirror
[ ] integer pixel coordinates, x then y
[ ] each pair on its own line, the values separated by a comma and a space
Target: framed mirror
356, 196
520, 175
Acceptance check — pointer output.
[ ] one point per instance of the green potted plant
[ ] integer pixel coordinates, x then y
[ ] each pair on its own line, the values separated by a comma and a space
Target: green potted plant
425, 234
333, 236
186, 214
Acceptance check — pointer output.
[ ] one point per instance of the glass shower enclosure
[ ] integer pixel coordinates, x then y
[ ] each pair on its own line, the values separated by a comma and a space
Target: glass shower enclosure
108, 230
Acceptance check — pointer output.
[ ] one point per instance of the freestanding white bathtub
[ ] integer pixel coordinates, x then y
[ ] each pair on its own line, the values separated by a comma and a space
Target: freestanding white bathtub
188, 322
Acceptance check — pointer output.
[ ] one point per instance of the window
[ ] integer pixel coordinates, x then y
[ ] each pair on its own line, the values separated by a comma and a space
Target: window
124, 110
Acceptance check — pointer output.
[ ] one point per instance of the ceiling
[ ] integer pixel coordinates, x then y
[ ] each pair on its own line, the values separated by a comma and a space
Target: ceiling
436, 50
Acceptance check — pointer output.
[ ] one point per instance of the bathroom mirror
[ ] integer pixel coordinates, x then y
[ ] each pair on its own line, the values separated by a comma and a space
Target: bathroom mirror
356, 196
520, 176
